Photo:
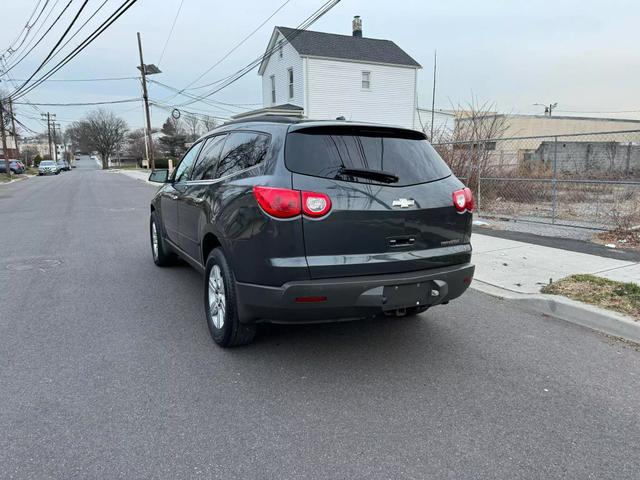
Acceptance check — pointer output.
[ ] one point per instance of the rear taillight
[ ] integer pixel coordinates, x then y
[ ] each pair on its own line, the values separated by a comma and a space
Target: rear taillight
278, 202
315, 204
287, 203
463, 200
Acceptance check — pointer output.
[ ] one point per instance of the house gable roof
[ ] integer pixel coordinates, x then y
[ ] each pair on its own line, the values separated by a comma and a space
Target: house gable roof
344, 47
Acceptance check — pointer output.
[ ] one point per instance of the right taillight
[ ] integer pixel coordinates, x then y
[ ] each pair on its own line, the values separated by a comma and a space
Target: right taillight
287, 203
463, 200
315, 205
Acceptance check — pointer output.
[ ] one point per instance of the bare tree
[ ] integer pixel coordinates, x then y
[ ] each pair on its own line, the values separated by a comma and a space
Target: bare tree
208, 123
105, 132
473, 140
192, 125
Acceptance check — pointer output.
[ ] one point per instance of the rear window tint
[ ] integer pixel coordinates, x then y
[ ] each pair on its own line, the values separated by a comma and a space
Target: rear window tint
323, 153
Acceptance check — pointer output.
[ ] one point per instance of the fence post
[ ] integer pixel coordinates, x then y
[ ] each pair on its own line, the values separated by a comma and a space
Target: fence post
554, 182
480, 153
479, 196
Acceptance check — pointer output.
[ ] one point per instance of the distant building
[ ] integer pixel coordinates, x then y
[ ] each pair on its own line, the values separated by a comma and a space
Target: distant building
583, 143
325, 76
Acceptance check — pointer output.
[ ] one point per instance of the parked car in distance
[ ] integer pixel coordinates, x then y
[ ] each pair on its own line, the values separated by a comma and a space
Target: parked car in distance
298, 221
16, 166
64, 165
47, 167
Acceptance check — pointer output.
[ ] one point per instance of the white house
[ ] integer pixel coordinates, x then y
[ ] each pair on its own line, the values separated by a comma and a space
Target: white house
325, 76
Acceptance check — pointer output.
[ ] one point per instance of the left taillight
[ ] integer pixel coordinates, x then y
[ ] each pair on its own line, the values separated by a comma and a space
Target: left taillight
288, 203
463, 200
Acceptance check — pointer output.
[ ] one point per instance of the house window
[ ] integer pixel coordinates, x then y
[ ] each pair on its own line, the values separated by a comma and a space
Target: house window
366, 80
280, 49
290, 78
273, 89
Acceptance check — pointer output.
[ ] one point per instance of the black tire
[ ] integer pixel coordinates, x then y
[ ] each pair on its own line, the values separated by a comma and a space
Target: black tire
231, 333
163, 256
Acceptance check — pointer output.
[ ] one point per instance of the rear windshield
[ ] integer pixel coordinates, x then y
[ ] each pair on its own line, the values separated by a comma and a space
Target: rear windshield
321, 152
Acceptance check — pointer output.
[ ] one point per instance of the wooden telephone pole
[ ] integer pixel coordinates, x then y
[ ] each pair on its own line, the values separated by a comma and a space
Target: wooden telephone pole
13, 125
5, 150
48, 116
149, 139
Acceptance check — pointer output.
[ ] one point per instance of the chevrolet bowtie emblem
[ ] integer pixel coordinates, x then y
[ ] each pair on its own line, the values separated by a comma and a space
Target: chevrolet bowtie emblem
404, 203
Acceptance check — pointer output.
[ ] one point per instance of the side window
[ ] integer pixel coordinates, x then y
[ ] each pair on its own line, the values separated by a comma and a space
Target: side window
242, 150
181, 173
208, 159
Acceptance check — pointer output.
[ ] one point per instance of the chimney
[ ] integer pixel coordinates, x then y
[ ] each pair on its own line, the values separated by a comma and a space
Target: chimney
357, 26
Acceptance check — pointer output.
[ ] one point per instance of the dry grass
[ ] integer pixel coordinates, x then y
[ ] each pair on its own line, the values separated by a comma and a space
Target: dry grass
629, 239
602, 292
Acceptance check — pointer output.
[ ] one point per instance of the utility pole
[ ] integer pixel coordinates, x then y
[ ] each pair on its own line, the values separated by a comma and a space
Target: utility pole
55, 125
48, 116
13, 126
433, 95
144, 69
53, 140
5, 150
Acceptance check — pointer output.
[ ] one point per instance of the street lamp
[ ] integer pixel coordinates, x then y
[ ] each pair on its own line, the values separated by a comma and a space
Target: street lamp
548, 109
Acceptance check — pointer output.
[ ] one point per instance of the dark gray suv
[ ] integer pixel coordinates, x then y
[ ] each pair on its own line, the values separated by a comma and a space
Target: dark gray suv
296, 221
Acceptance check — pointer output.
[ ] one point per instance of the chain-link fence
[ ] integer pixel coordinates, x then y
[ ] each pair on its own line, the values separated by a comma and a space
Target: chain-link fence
588, 179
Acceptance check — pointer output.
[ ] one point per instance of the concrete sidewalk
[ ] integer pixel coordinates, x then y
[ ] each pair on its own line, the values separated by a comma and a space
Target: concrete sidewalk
525, 268
142, 175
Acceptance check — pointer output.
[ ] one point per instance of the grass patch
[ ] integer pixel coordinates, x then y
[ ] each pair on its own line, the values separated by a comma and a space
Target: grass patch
619, 296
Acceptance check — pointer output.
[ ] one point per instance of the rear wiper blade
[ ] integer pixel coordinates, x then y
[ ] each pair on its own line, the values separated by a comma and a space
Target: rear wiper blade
379, 175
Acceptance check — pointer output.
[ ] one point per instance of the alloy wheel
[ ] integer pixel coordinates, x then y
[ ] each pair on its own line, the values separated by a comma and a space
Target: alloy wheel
217, 298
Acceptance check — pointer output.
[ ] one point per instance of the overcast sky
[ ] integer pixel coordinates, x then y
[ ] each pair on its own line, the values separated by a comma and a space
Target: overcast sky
583, 54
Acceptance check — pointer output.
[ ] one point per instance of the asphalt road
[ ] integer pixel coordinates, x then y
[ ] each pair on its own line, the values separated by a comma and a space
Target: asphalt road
107, 371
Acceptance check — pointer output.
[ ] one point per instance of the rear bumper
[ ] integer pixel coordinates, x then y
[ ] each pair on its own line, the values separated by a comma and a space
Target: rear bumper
350, 297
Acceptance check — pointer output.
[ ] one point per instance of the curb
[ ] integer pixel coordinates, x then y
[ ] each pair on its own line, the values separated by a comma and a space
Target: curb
122, 172
571, 311
17, 179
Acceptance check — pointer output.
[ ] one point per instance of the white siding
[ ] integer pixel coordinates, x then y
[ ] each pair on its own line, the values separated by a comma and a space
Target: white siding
278, 66
335, 89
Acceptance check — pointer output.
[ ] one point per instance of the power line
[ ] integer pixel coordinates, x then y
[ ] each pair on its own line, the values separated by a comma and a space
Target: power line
111, 79
84, 44
170, 32
207, 101
179, 92
239, 44
52, 51
26, 29
324, 9
78, 104
86, 22
17, 62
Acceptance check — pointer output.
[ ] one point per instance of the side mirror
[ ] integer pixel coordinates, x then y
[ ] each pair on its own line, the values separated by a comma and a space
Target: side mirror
159, 176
